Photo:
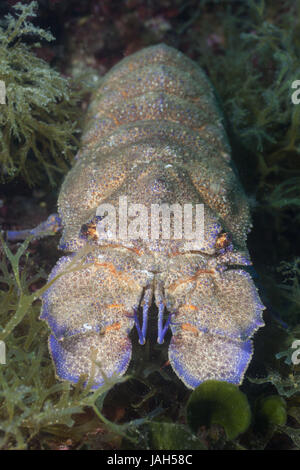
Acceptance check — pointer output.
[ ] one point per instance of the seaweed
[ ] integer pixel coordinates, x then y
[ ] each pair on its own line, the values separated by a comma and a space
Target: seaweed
254, 75
38, 121
214, 402
290, 288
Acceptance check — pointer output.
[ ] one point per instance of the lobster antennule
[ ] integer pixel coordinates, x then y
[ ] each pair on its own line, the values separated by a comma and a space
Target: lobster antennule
162, 328
146, 302
161, 302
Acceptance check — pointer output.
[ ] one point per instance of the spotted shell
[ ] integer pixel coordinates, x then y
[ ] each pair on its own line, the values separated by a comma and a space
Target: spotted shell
154, 135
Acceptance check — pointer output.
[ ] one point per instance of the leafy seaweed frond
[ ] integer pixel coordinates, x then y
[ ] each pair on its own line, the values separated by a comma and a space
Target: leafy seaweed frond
286, 194
255, 73
38, 121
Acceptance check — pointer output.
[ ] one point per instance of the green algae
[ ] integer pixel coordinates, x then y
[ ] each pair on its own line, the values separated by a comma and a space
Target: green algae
38, 121
214, 402
271, 410
173, 436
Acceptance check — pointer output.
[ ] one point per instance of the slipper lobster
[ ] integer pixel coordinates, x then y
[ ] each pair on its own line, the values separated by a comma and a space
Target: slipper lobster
154, 139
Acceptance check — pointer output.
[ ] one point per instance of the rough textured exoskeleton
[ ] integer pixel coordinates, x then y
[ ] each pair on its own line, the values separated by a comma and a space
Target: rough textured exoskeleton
154, 134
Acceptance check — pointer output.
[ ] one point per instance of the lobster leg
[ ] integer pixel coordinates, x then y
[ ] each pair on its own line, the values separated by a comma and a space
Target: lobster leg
48, 227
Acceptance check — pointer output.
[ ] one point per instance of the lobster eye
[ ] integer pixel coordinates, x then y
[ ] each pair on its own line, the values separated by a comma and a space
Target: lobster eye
88, 231
223, 241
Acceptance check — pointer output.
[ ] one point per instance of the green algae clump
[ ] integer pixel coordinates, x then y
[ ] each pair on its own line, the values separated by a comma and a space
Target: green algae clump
38, 108
272, 410
222, 403
173, 436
